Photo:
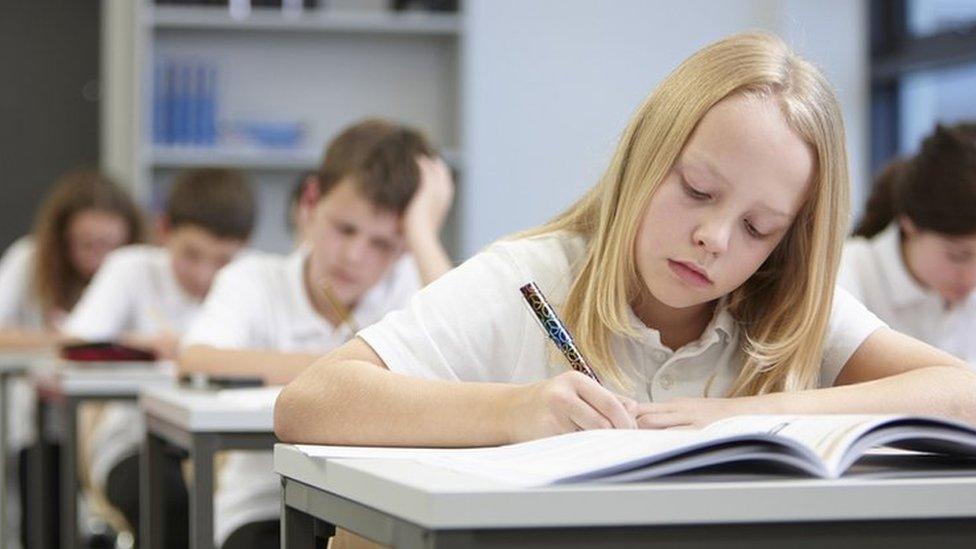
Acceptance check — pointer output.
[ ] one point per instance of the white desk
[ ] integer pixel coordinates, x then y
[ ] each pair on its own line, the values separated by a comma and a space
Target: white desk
407, 504
201, 422
65, 385
11, 365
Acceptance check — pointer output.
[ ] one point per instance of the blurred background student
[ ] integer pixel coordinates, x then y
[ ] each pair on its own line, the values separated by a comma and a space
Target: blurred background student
42, 275
84, 217
913, 258
147, 297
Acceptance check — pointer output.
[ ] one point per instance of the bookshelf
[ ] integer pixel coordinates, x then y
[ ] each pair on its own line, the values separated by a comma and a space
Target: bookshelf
318, 67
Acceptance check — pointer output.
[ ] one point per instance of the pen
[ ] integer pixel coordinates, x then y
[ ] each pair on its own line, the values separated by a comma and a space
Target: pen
555, 329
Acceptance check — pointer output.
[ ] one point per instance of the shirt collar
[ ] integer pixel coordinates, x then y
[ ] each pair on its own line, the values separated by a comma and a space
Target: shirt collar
904, 289
306, 319
722, 327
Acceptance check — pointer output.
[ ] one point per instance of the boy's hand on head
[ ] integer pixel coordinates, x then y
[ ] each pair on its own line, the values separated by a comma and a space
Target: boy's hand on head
566, 403
692, 413
428, 208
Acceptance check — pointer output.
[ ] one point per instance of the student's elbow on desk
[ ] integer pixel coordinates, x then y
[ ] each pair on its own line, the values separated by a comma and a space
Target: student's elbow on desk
316, 407
303, 410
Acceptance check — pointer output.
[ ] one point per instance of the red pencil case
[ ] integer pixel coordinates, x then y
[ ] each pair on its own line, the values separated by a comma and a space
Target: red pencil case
105, 351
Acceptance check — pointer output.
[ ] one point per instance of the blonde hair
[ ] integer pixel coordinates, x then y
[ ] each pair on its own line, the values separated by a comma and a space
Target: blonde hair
784, 307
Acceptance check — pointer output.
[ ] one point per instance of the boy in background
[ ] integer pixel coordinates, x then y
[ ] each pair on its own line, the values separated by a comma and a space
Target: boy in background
372, 240
146, 297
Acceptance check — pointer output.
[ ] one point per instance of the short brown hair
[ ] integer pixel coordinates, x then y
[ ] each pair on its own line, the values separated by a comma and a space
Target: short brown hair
57, 284
936, 188
381, 157
218, 200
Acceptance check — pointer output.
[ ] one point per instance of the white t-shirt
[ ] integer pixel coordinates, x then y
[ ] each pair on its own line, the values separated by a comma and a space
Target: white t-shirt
134, 292
19, 309
261, 303
18, 302
874, 271
473, 325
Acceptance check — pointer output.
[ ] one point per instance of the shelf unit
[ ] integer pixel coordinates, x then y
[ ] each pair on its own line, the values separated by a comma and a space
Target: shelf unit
251, 158
322, 67
310, 20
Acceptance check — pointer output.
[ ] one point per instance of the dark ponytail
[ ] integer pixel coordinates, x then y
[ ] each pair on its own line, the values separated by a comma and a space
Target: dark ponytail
936, 188
880, 208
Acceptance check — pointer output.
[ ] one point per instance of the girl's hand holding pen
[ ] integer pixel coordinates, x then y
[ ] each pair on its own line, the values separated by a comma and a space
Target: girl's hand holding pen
568, 402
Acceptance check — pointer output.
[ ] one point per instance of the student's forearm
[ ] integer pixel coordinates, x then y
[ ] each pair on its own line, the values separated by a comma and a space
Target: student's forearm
274, 368
938, 390
358, 403
430, 255
27, 340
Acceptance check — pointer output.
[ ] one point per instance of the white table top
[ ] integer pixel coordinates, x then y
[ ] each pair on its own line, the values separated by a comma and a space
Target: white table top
439, 498
20, 360
227, 410
102, 378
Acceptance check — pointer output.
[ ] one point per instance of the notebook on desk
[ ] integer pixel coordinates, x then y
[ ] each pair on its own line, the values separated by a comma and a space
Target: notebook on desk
105, 351
823, 446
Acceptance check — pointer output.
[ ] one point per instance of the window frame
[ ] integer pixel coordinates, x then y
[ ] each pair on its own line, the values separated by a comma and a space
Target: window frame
895, 53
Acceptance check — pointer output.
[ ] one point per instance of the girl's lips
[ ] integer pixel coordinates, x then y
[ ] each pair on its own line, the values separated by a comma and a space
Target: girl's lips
689, 273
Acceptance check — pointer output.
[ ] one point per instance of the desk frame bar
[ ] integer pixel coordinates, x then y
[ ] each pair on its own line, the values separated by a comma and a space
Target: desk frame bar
305, 509
5, 468
202, 446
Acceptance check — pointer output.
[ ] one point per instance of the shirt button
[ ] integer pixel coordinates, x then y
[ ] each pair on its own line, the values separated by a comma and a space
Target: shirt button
660, 356
665, 382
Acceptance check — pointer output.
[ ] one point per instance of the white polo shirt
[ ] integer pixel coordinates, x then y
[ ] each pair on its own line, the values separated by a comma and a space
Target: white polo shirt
19, 308
134, 292
473, 325
873, 270
260, 302
18, 301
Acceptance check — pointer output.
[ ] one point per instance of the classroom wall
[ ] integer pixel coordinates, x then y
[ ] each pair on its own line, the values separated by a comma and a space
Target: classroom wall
549, 85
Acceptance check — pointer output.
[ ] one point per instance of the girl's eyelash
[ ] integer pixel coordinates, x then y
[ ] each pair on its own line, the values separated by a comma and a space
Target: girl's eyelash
752, 230
695, 193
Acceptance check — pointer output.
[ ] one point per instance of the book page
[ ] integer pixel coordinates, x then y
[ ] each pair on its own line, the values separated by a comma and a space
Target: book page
573, 457
577, 456
828, 436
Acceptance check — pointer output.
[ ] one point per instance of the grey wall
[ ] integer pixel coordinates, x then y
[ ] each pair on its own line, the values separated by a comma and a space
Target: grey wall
49, 124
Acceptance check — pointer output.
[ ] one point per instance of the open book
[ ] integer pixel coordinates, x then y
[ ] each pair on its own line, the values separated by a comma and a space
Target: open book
816, 445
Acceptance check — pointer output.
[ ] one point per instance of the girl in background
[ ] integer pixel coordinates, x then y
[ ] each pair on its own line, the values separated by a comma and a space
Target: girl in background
84, 217
913, 259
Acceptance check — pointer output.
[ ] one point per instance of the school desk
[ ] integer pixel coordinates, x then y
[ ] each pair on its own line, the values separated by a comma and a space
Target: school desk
63, 386
203, 423
407, 504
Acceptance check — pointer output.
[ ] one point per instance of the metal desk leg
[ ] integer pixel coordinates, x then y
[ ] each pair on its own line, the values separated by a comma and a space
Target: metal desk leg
202, 491
297, 527
69, 475
152, 490
4, 452
38, 519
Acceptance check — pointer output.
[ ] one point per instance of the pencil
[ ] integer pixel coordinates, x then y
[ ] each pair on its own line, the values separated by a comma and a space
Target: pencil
345, 317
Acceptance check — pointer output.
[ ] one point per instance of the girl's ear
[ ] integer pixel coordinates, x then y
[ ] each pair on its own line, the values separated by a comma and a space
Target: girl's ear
908, 228
311, 191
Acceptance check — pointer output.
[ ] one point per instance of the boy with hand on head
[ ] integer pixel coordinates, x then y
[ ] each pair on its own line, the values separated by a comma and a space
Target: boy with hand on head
372, 241
147, 296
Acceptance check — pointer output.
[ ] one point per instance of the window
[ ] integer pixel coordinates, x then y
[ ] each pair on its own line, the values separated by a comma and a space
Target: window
923, 71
